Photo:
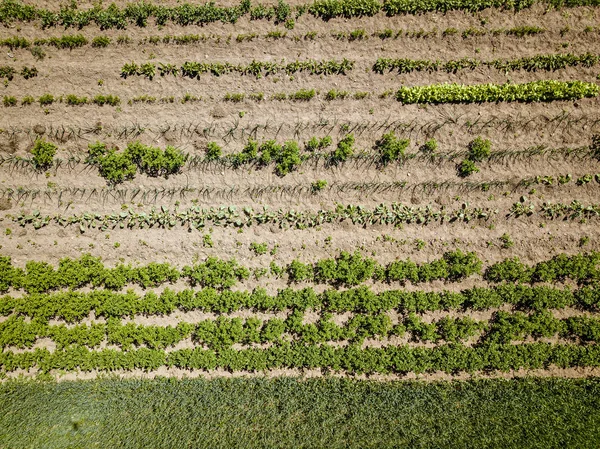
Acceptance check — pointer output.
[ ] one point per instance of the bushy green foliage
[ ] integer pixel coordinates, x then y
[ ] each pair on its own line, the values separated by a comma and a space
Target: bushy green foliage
215, 273
346, 269
345, 149
535, 91
117, 167
479, 149
9, 101
466, 168
213, 151
390, 148
429, 147
101, 41
315, 143
43, 154
318, 185
329, 9
46, 100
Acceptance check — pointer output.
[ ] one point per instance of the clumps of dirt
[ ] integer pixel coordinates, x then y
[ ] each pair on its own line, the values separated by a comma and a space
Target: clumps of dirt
40, 130
5, 204
218, 112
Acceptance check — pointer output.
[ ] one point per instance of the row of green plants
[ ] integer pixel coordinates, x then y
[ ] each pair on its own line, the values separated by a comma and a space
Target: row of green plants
193, 69
531, 64
8, 72
345, 269
117, 166
73, 306
112, 16
70, 100
535, 91
140, 13
450, 358
224, 332
392, 214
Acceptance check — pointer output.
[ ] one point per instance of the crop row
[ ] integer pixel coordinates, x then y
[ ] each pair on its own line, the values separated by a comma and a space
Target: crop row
224, 332
71, 41
8, 72
193, 70
451, 358
70, 100
149, 195
345, 269
531, 64
393, 214
542, 91
73, 306
187, 14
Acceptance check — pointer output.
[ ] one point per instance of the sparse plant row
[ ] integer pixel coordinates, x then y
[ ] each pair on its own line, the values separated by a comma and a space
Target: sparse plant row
71, 41
234, 130
140, 13
8, 72
70, 100
73, 306
193, 70
550, 62
450, 358
146, 195
536, 91
223, 332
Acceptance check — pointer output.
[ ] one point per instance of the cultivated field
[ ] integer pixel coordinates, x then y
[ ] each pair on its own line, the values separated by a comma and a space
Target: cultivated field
394, 191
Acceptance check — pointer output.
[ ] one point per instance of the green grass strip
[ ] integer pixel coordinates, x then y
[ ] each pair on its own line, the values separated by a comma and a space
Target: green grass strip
286, 413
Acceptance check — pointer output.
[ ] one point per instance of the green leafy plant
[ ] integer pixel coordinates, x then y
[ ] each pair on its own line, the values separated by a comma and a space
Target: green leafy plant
43, 154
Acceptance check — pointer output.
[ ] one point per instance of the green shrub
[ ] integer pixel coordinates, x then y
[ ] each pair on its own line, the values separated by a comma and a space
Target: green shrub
74, 100
100, 41
429, 147
43, 154
259, 248
390, 148
27, 100
29, 72
302, 95
111, 100
9, 101
298, 271
467, 168
46, 100
318, 185
343, 151
213, 151
479, 149
318, 144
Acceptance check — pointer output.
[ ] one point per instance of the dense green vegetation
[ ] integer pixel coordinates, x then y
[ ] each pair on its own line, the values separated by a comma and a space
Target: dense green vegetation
345, 269
332, 413
139, 13
530, 64
543, 91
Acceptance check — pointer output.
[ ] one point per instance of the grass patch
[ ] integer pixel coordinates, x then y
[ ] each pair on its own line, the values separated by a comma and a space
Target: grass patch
286, 412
